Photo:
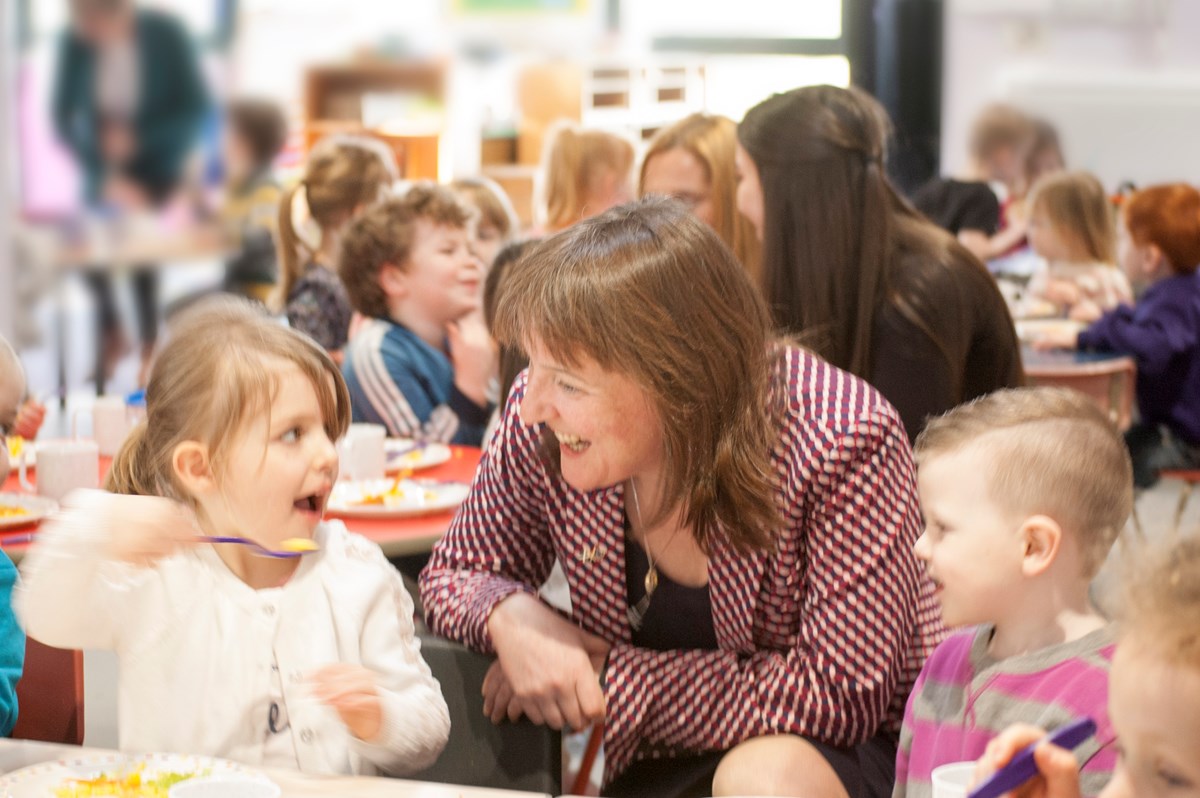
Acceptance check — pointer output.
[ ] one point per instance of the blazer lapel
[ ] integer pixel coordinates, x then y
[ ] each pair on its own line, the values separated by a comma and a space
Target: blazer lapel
734, 582
595, 561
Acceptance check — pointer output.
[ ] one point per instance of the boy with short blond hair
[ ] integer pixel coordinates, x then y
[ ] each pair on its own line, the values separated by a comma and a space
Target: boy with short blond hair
422, 365
1023, 493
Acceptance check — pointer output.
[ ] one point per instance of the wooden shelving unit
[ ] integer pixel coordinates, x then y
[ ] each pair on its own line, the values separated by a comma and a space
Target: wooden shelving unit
338, 99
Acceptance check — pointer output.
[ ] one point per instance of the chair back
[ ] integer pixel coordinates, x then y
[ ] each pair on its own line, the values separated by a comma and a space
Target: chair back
50, 695
510, 756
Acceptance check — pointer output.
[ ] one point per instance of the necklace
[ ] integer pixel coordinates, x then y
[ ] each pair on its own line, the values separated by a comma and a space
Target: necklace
637, 612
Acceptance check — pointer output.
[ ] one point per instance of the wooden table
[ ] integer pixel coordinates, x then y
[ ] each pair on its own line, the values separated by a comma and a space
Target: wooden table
17, 754
396, 536
1109, 379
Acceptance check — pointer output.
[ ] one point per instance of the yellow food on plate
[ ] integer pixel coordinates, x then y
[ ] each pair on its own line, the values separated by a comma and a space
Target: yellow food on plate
12, 511
132, 784
15, 444
399, 493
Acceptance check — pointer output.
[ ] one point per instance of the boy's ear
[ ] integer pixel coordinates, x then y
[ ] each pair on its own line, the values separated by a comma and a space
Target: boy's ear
393, 280
1156, 261
192, 468
1041, 537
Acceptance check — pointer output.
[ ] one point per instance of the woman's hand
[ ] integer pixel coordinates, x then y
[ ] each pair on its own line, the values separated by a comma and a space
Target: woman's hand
548, 668
351, 691
1058, 774
144, 529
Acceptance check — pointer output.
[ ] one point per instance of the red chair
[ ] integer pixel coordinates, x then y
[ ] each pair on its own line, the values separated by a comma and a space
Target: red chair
1190, 477
50, 695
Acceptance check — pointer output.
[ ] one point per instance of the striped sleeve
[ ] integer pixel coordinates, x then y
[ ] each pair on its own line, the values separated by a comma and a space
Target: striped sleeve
858, 599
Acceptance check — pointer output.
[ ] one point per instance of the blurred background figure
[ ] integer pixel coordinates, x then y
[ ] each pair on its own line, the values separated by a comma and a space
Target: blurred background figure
586, 172
692, 161
129, 103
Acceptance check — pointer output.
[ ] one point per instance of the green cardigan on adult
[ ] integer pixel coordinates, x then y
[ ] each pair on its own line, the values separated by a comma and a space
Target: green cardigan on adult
172, 103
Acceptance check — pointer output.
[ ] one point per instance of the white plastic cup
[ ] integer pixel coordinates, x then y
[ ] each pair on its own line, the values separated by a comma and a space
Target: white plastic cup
110, 424
953, 780
363, 455
63, 466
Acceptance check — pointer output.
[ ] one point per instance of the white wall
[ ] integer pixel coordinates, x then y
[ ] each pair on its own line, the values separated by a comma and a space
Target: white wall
1121, 79
8, 183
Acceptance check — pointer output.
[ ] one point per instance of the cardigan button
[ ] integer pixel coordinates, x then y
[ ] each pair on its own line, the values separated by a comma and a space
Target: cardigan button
269, 609
306, 736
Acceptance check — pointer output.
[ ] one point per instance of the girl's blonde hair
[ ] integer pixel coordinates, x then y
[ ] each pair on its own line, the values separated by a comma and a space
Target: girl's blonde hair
1161, 607
213, 376
495, 208
575, 163
1076, 204
712, 140
342, 174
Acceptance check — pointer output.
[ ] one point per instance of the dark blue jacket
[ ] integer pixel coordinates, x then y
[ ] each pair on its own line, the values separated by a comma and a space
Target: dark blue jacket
172, 103
1162, 333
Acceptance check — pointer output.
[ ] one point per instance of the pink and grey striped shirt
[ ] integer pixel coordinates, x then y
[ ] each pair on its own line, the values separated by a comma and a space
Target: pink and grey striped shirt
963, 698
823, 636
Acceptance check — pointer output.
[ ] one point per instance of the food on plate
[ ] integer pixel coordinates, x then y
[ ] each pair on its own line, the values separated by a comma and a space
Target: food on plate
12, 511
15, 444
402, 491
135, 783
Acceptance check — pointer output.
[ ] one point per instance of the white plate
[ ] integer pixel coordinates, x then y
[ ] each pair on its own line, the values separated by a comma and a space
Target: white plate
1032, 330
403, 454
36, 508
414, 497
41, 781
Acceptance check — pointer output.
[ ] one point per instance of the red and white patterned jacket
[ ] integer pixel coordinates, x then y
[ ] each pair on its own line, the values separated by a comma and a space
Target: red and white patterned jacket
824, 636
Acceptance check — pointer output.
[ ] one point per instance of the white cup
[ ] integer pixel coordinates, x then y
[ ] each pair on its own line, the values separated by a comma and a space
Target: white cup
110, 423
363, 455
951, 781
63, 466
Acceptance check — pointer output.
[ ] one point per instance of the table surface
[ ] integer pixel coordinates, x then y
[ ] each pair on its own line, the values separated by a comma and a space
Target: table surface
17, 754
396, 536
1068, 361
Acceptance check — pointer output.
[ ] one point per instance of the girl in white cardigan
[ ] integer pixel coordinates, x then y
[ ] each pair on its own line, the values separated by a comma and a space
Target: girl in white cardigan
308, 663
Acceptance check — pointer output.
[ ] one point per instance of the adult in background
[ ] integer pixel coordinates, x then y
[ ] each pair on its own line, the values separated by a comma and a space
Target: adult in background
129, 103
734, 516
692, 161
849, 266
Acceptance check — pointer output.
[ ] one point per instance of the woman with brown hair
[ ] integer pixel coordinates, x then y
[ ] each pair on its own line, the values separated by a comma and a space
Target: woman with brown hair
692, 161
866, 281
734, 516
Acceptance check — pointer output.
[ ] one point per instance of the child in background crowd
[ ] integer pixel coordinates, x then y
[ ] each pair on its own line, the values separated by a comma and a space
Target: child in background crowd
496, 225
343, 177
1071, 227
1023, 492
586, 172
254, 135
1154, 692
307, 663
1159, 249
423, 363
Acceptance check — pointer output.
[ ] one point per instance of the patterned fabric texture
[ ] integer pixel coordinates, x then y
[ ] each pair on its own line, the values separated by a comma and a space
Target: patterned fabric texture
823, 636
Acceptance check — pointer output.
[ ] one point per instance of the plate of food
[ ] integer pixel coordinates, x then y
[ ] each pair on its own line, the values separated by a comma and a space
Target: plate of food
18, 446
20, 509
402, 454
395, 498
1031, 331
122, 775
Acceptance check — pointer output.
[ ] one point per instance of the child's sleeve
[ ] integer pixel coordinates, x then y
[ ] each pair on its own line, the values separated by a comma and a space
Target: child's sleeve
402, 399
1154, 341
416, 721
12, 648
71, 594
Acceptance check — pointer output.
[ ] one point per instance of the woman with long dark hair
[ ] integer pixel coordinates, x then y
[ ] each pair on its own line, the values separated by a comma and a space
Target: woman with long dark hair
853, 270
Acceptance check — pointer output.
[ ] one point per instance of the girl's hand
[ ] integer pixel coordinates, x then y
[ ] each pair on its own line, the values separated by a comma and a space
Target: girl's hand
1086, 311
1057, 339
351, 691
29, 419
549, 665
474, 356
1058, 773
1062, 292
142, 530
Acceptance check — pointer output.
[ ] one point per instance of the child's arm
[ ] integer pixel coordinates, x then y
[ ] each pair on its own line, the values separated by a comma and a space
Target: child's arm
1058, 772
12, 648
392, 700
1153, 341
80, 579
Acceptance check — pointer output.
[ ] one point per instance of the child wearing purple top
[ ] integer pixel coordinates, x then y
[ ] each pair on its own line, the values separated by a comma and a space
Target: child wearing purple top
1159, 249
1023, 493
